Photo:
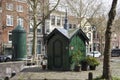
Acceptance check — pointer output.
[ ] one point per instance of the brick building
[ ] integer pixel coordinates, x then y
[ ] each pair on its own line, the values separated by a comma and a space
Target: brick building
12, 13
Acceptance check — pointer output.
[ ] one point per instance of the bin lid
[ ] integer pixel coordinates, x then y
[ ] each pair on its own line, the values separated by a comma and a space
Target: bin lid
19, 28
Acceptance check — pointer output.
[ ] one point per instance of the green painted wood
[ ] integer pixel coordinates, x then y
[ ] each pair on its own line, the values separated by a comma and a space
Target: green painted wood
77, 44
58, 53
19, 43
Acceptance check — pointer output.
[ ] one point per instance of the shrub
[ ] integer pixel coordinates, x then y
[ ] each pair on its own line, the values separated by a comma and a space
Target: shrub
76, 57
92, 61
100, 78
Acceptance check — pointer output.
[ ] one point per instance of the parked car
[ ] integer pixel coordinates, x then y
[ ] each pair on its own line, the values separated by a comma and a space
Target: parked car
115, 52
5, 58
94, 54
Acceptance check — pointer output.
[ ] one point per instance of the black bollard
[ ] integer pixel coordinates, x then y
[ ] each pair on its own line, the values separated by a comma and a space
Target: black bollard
13, 74
90, 76
6, 78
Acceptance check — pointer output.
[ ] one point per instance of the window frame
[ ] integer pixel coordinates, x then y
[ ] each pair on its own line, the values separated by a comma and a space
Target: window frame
52, 20
9, 6
9, 20
19, 8
89, 36
23, 1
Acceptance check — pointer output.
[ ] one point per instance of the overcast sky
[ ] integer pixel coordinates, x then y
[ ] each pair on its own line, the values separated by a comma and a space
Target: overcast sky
106, 3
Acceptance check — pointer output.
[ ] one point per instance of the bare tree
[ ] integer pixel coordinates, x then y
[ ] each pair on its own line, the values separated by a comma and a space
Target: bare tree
107, 49
39, 7
93, 11
100, 24
116, 31
84, 9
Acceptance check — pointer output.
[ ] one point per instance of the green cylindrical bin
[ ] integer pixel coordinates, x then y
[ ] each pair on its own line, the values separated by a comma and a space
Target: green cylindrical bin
19, 43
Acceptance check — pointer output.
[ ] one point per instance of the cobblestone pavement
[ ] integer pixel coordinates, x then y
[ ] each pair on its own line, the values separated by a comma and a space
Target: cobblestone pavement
36, 73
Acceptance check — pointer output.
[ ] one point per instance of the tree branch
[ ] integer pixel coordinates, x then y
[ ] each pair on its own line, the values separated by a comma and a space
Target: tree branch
47, 15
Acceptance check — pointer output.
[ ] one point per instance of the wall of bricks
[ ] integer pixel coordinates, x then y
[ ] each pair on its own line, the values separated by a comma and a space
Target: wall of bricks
7, 68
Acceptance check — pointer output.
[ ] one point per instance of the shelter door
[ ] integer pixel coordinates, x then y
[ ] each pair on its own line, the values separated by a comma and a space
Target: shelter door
57, 59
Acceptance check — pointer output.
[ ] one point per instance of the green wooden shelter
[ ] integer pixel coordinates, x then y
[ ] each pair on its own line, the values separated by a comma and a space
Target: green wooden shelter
61, 44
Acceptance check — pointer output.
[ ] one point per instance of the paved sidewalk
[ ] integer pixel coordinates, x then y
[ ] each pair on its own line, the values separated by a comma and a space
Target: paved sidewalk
36, 73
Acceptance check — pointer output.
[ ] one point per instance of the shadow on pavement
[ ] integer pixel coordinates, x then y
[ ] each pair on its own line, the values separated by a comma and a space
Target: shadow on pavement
33, 69
38, 69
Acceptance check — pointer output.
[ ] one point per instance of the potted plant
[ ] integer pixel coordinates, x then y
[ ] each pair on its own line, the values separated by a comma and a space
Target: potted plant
84, 64
44, 63
76, 60
93, 62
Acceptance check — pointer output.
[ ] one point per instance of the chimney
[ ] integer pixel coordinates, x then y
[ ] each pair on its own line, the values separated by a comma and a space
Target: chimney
66, 22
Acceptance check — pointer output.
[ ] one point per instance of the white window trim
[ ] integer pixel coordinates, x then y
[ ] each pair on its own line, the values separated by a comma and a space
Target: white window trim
9, 6
22, 1
9, 20
19, 8
58, 20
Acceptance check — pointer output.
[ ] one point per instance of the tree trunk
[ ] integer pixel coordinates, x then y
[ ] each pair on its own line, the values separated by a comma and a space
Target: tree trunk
34, 30
34, 44
101, 44
107, 50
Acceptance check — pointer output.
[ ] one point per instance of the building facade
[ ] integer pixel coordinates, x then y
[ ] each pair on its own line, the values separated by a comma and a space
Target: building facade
57, 19
115, 41
12, 13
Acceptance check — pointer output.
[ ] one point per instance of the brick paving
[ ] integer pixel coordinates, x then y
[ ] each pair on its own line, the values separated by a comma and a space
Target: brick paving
36, 73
